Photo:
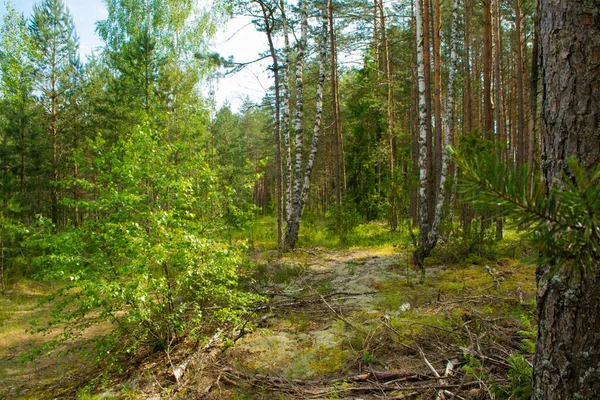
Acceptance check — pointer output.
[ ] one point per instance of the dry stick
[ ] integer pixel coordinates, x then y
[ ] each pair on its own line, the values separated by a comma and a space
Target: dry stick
338, 315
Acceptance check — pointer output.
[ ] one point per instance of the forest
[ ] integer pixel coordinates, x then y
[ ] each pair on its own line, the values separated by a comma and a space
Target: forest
412, 211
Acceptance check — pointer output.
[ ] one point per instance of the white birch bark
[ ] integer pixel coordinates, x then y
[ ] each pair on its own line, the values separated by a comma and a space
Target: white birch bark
299, 115
301, 184
318, 112
449, 125
423, 170
429, 237
285, 123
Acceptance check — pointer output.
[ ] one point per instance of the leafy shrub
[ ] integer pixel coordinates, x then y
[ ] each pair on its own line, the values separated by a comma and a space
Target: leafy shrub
148, 257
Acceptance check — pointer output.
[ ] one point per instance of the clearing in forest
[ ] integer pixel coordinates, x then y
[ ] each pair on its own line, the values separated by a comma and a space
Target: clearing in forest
338, 324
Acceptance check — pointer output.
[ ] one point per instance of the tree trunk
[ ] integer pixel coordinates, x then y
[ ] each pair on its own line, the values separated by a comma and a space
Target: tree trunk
337, 134
437, 88
285, 123
533, 90
467, 103
427, 242
302, 188
269, 24
430, 160
293, 226
387, 66
498, 98
488, 118
423, 170
520, 99
567, 357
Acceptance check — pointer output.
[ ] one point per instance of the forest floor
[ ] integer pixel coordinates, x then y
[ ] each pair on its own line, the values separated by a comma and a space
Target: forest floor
339, 324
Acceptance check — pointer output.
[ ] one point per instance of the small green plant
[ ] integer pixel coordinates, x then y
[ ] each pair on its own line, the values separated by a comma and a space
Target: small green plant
325, 287
519, 380
367, 358
288, 271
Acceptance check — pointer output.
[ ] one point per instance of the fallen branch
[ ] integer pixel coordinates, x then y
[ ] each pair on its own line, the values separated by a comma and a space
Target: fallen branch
385, 376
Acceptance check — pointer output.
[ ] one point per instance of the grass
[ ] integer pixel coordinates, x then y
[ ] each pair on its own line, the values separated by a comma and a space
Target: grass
28, 368
316, 231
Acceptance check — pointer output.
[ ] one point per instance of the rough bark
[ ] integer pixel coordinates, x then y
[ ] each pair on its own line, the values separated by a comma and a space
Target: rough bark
567, 360
520, 99
387, 69
498, 96
488, 118
293, 226
533, 90
467, 103
337, 134
285, 123
423, 170
430, 160
437, 88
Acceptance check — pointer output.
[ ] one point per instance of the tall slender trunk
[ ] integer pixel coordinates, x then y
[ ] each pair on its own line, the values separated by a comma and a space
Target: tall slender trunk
54, 133
430, 160
335, 107
389, 85
428, 242
533, 90
269, 24
498, 96
285, 123
488, 118
520, 98
423, 170
302, 187
437, 88
467, 95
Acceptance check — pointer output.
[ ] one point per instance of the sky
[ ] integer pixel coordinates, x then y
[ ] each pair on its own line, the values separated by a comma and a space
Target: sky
238, 39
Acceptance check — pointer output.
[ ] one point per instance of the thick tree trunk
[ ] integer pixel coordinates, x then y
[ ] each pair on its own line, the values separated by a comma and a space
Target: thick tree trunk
567, 360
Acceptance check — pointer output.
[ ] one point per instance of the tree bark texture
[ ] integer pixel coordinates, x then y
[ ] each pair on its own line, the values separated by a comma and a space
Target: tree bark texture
285, 123
423, 170
520, 96
428, 242
302, 178
567, 360
488, 118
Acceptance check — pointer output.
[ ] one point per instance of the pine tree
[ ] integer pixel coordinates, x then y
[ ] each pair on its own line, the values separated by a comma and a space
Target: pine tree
55, 58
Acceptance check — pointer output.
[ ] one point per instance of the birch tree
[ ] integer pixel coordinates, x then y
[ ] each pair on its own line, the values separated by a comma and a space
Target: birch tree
429, 235
302, 176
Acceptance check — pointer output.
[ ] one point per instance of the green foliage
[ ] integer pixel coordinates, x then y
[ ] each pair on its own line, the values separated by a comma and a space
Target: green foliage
342, 221
519, 380
149, 257
562, 222
12, 232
